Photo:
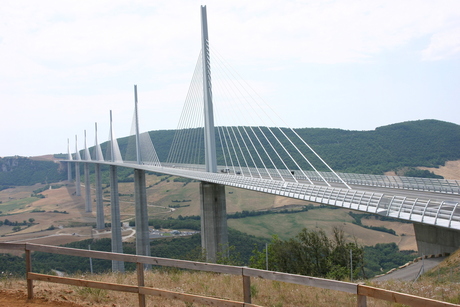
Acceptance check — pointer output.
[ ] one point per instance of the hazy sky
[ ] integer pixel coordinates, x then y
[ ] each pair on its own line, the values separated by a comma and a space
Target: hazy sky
353, 65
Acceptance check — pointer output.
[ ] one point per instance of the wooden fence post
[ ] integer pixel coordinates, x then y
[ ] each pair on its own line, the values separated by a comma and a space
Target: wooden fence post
140, 282
30, 282
247, 289
362, 301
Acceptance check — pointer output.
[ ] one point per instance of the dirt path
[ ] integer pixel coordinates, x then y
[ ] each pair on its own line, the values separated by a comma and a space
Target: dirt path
18, 298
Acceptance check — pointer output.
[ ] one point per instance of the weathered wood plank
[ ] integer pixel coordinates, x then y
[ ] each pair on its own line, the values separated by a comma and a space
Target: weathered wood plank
30, 283
303, 280
12, 246
81, 252
362, 301
83, 283
140, 282
192, 298
183, 264
247, 289
191, 265
401, 298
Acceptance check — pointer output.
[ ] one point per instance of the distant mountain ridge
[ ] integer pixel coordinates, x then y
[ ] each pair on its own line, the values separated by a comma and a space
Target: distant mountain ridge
428, 143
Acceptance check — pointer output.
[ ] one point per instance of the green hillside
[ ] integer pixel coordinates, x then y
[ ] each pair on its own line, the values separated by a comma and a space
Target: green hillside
428, 143
16, 171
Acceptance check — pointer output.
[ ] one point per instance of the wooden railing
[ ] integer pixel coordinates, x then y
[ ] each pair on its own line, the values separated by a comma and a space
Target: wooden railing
361, 291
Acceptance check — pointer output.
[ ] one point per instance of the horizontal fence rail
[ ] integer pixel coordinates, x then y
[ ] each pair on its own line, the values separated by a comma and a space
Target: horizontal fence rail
361, 291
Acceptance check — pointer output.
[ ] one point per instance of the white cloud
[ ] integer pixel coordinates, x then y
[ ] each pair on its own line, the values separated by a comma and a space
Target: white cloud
443, 45
66, 63
329, 31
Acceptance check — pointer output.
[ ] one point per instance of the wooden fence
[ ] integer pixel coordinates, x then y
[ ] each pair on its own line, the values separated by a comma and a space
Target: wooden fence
361, 291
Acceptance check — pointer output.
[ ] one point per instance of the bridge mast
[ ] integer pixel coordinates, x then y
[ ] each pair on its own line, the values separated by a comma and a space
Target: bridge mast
77, 170
209, 134
140, 193
69, 165
117, 246
97, 170
88, 201
136, 120
214, 235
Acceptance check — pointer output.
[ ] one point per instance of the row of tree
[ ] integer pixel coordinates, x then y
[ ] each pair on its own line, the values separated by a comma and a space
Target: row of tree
310, 253
427, 143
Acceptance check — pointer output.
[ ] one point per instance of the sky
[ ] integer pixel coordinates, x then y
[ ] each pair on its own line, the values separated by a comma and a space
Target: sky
348, 64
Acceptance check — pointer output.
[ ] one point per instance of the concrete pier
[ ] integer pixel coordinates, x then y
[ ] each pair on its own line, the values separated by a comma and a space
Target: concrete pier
434, 240
88, 202
117, 247
69, 171
142, 217
77, 180
100, 224
214, 236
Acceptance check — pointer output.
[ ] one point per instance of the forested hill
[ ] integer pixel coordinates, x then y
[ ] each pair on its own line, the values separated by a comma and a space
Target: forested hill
17, 170
427, 143
409, 144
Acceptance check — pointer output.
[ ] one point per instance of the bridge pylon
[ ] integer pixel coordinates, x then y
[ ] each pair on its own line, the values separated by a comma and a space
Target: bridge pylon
433, 240
214, 235
77, 170
140, 194
69, 165
88, 201
117, 245
97, 170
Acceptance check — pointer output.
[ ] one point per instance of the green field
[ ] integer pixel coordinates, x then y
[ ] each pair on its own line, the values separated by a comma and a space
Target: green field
288, 225
188, 196
16, 204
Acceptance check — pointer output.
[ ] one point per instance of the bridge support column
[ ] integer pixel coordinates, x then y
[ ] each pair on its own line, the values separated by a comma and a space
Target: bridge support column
142, 217
99, 202
69, 171
77, 180
214, 236
433, 240
88, 204
117, 247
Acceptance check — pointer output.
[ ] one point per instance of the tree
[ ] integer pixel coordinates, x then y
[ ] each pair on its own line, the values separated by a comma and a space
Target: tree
311, 253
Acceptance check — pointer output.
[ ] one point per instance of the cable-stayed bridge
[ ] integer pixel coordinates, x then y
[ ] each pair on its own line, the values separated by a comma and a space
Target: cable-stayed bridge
262, 157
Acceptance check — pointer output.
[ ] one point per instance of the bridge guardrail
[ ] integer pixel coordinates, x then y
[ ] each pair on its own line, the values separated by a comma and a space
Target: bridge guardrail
437, 213
447, 186
361, 291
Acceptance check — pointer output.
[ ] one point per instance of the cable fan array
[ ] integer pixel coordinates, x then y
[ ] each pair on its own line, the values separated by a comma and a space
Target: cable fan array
253, 144
147, 154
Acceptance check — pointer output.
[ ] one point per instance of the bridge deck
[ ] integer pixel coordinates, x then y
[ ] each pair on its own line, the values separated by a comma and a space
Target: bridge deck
428, 206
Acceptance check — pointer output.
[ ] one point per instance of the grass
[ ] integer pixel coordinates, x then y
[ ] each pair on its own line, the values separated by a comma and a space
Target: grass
442, 283
264, 292
16, 204
288, 225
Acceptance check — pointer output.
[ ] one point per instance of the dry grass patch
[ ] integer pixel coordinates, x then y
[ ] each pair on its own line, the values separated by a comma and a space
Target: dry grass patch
451, 170
264, 292
428, 288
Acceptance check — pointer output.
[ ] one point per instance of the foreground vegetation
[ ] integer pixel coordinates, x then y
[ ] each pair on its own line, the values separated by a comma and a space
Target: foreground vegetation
444, 286
309, 253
